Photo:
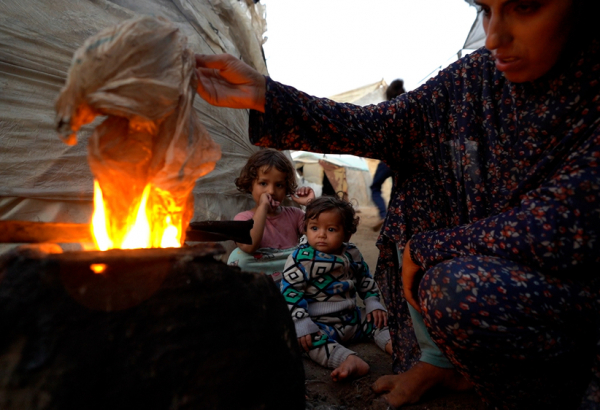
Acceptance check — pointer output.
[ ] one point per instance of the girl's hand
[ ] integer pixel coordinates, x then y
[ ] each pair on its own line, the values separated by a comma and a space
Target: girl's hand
379, 318
305, 342
303, 195
268, 201
409, 272
226, 81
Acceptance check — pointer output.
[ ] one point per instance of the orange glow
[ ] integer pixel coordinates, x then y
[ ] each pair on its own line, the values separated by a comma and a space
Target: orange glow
98, 268
155, 222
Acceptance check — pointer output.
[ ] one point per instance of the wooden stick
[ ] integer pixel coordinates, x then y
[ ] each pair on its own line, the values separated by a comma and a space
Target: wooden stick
38, 232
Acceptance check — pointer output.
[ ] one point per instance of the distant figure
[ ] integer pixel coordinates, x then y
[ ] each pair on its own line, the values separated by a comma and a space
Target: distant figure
383, 172
320, 282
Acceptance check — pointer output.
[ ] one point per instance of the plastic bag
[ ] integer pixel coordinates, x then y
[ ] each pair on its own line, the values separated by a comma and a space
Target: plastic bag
140, 74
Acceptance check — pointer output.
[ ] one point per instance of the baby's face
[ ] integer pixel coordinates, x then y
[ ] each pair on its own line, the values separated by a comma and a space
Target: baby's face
326, 233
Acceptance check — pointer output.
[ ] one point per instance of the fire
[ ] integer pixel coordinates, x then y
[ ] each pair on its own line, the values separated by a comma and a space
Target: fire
155, 222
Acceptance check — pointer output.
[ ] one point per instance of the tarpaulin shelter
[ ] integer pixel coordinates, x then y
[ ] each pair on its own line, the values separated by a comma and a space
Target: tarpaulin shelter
349, 175
476, 37
44, 180
365, 95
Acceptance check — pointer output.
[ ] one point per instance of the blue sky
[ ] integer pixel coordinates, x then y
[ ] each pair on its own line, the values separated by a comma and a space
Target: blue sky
325, 47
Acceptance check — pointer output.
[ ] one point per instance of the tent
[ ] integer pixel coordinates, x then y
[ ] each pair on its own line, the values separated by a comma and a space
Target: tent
43, 179
365, 95
347, 173
476, 37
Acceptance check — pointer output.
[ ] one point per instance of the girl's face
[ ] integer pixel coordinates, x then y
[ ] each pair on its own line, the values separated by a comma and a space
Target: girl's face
272, 182
325, 233
526, 36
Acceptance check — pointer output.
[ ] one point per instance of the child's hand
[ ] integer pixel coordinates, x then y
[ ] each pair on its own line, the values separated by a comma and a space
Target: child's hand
268, 201
303, 195
305, 342
379, 318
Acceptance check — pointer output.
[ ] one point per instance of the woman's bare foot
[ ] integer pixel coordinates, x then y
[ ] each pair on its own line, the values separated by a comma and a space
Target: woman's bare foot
353, 366
388, 348
409, 387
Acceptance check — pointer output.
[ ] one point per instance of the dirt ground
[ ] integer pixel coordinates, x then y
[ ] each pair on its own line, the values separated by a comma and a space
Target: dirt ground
323, 394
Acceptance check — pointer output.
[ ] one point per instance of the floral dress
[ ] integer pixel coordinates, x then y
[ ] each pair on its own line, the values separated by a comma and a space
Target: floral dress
497, 186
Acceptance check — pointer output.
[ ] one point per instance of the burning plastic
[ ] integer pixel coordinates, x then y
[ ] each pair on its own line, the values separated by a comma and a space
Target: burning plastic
149, 151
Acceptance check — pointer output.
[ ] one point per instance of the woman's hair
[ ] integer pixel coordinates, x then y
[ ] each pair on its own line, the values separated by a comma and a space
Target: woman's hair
585, 22
395, 89
268, 158
332, 203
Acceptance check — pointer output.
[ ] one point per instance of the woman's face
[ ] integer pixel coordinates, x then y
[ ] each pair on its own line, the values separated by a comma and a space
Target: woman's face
526, 36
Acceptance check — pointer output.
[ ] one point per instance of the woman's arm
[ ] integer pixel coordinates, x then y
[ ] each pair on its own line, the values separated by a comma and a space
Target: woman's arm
398, 131
298, 121
406, 132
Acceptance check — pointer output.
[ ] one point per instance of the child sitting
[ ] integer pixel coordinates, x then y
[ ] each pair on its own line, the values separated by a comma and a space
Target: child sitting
320, 281
269, 176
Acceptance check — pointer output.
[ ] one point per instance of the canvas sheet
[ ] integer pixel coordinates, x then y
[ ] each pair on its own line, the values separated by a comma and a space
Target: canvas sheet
37, 43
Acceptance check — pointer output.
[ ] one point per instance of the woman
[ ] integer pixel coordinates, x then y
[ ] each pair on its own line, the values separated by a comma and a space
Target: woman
498, 217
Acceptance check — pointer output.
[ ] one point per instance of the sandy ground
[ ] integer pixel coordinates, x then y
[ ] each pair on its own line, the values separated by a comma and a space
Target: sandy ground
323, 394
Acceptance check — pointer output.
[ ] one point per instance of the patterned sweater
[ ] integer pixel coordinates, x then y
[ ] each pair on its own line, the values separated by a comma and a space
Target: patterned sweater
322, 284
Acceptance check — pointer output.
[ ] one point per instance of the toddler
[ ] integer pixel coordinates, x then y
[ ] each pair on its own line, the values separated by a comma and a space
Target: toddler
269, 176
320, 281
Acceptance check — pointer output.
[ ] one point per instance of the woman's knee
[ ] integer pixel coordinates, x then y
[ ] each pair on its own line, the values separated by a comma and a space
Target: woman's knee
457, 286
448, 282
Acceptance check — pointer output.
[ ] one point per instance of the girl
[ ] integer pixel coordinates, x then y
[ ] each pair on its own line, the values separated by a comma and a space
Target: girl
270, 177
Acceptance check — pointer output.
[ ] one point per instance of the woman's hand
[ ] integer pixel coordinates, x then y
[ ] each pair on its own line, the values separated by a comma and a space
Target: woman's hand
303, 195
379, 318
409, 272
226, 81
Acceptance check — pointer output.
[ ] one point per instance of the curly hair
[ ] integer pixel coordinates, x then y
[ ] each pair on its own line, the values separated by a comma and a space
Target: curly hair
268, 158
333, 203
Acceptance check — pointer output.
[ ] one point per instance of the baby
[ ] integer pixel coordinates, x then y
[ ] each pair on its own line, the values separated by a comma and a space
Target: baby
320, 281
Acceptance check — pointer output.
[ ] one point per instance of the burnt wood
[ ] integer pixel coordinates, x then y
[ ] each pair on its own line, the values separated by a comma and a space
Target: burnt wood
42, 232
156, 329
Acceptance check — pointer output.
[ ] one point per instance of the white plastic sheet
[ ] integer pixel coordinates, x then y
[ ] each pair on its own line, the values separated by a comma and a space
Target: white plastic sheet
37, 43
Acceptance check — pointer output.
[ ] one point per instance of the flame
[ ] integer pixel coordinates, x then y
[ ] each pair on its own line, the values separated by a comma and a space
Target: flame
148, 226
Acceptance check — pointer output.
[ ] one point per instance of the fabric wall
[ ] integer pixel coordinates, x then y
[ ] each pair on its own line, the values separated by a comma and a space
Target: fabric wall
42, 179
